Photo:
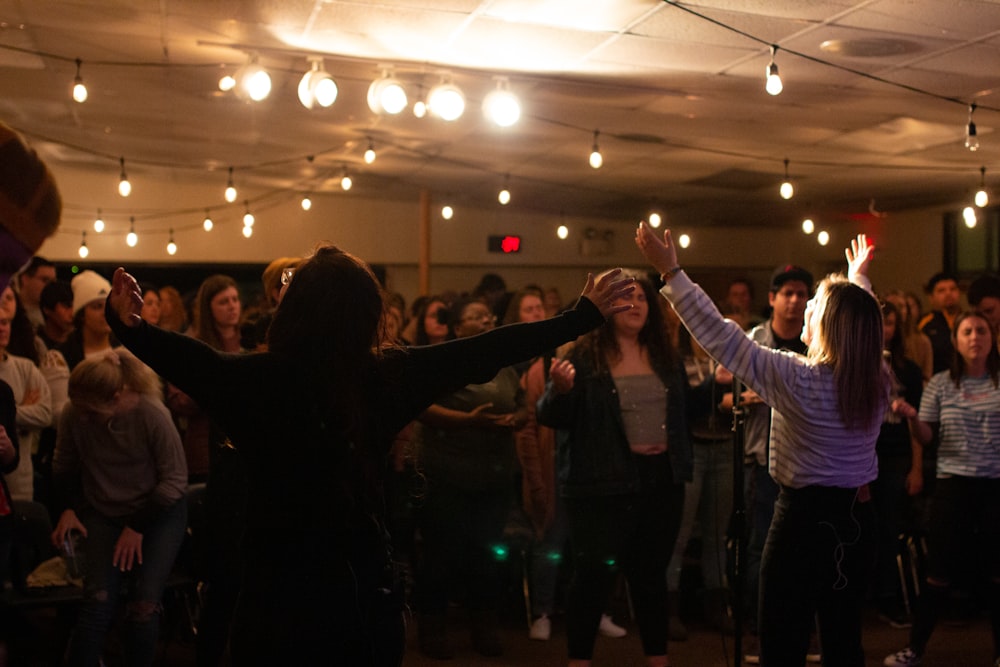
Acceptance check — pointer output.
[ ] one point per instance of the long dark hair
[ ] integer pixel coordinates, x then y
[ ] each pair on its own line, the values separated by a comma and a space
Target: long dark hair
329, 325
894, 346
204, 323
957, 369
22, 334
601, 345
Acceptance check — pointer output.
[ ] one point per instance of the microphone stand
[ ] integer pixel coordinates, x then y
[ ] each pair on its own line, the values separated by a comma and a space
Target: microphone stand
738, 524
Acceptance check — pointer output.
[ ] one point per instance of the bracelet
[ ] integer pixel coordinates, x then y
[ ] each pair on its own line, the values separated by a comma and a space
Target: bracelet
670, 273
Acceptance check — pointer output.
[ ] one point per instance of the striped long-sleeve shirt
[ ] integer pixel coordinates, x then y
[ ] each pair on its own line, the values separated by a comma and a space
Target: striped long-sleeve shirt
810, 443
969, 416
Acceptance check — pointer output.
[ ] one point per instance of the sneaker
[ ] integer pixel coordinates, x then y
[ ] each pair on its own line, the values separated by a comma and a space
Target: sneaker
905, 658
813, 653
541, 629
751, 650
608, 628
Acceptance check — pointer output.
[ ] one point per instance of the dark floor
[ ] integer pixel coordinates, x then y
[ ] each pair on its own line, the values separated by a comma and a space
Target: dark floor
952, 645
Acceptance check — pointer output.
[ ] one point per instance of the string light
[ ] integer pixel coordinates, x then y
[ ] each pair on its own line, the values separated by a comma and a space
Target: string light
447, 212
823, 237
247, 231
684, 240
84, 251
370, 152
171, 246
231, 193
596, 159
207, 223
808, 226
504, 195
317, 86
307, 203
971, 136
982, 197
420, 106
345, 181
562, 231
248, 218
773, 85
124, 187
131, 239
79, 89
98, 222
969, 215
655, 220
786, 190
501, 105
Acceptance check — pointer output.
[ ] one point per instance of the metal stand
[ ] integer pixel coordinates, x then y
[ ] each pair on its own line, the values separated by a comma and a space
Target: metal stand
738, 525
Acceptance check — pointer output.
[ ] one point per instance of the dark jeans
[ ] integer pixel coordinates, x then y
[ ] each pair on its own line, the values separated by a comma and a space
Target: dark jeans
634, 534
893, 509
815, 565
761, 492
102, 583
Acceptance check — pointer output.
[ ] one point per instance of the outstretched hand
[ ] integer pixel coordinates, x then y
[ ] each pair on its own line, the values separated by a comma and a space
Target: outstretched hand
661, 254
607, 290
859, 255
126, 299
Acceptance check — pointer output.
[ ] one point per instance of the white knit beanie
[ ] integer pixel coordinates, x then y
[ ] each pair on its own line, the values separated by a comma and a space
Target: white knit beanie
88, 286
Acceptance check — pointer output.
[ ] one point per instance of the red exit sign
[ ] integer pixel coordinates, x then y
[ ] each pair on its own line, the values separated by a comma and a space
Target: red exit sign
505, 243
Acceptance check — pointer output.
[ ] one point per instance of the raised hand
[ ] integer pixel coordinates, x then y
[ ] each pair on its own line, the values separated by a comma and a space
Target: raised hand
607, 290
859, 255
126, 298
661, 254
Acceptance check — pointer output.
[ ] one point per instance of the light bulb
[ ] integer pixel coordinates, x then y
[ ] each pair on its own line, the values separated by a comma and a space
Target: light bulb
386, 95
562, 231
171, 246
684, 240
79, 89
786, 190
317, 86
982, 198
247, 231
969, 215
504, 197
256, 82
99, 223
84, 251
370, 153
447, 212
248, 219
972, 138
502, 106
124, 187
773, 85
808, 226
596, 159
655, 220
307, 203
446, 101
131, 239
227, 82
823, 237
346, 183
419, 108
207, 223
231, 193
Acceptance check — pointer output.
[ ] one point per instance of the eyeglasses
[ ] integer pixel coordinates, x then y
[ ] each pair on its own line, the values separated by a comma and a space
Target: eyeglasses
476, 317
286, 276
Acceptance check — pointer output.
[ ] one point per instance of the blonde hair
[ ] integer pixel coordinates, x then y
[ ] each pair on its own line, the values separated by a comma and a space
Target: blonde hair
95, 381
848, 339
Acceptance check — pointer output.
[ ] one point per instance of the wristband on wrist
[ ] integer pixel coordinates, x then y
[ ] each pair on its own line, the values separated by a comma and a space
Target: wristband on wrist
670, 273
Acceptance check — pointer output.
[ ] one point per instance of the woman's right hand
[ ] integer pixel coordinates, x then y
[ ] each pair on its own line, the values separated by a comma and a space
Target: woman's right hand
606, 291
67, 521
126, 298
661, 254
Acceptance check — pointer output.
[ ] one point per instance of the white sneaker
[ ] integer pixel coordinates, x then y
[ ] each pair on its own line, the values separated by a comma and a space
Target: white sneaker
541, 629
608, 628
905, 658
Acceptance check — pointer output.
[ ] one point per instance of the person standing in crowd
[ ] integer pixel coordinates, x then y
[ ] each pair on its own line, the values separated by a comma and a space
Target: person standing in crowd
553, 301
57, 310
318, 584
790, 289
946, 302
827, 410
150, 303
961, 406
916, 344
738, 304
30, 282
91, 334
173, 315
624, 453
984, 297
466, 454
9, 458
900, 472
257, 318
119, 471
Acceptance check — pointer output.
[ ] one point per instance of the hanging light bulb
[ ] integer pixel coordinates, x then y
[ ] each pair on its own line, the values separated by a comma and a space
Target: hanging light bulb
307, 203
504, 195
971, 137
98, 222
655, 220
502, 106
562, 231
386, 94
207, 223
254, 82
84, 251
79, 89
808, 226
131, 239
982, 197
786, 190
231, 193
345, 181
370, 152
248, 218
124, 187
773, 84
447, 212
317, 86
823, 237
420, 106
969, 215
171, 246
446, 101
596, 159
684, 240
247, 231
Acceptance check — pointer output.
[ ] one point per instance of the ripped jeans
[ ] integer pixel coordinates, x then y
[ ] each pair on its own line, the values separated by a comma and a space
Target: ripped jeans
103, 584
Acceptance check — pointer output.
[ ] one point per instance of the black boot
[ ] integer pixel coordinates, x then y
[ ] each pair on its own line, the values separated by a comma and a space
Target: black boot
432, 633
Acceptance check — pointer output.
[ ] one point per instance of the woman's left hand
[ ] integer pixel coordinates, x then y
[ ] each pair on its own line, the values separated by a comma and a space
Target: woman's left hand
859, 255
128, 550
903, 409
605, 292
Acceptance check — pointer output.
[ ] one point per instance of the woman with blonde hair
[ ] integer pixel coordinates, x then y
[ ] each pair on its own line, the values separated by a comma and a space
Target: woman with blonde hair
120, 479
827, 412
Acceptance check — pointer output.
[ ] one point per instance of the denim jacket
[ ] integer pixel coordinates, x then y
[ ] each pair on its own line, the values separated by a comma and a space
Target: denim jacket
593, 456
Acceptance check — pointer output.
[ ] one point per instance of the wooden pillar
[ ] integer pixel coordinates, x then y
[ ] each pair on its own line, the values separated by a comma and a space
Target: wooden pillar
424, 244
